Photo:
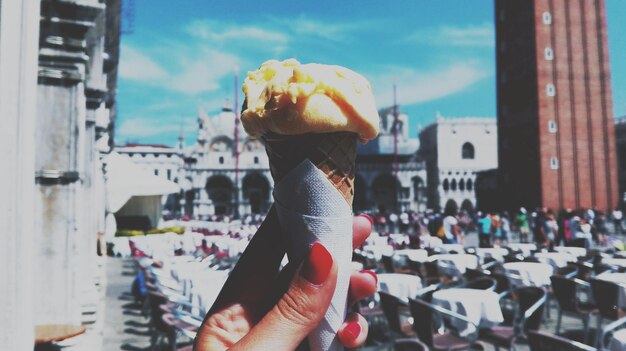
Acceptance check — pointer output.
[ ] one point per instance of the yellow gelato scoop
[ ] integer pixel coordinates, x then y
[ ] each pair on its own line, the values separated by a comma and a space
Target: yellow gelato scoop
291, 98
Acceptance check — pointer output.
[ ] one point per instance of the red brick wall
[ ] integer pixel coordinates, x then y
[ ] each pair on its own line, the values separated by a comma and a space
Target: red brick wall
584, 143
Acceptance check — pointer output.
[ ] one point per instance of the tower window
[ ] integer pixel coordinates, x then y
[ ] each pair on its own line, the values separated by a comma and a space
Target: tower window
453, 185
467, 151
548, 54
256, 159
169, 174
221, 160
469, 185
446, 185
554, 163
552, 127
550, 89
547, 18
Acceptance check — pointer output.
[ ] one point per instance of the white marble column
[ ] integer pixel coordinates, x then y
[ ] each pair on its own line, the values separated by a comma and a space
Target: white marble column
59, 203
61, 227
19, 41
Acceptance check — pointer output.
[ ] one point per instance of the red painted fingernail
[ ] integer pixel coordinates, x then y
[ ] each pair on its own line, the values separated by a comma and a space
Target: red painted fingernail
371, 273
318, 264
352, 330
367, 217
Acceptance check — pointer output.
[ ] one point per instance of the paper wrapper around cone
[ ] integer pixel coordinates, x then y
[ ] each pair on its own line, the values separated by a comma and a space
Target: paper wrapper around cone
332, 153
314, 188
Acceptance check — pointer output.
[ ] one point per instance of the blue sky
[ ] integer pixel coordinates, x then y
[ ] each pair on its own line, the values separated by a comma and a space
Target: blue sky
182, 55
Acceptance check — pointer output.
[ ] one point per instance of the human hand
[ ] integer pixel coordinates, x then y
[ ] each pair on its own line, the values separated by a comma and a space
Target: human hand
262, 309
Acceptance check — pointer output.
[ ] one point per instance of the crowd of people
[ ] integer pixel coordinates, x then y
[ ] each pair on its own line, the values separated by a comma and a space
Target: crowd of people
542, 226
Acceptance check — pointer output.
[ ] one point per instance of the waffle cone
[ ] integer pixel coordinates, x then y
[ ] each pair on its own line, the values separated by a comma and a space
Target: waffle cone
332, 153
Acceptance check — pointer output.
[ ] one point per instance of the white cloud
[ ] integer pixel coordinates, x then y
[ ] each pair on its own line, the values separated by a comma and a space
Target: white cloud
415, 87
315, 28
143, 127
469, 36
220, 32
135, 65
191, 77
204, 73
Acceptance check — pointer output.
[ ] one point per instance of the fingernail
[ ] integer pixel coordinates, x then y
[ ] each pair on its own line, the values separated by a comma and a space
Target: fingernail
371, 273
318, 264
352, 330
367, 217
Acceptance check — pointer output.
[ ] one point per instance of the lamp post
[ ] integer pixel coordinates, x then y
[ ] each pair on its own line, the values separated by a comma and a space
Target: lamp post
395, 145
236, 146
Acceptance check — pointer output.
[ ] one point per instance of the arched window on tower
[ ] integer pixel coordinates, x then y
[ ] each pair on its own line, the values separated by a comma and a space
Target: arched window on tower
446, 185
467, 151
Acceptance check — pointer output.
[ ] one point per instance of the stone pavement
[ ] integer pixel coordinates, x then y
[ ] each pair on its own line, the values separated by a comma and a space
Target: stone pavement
124, 327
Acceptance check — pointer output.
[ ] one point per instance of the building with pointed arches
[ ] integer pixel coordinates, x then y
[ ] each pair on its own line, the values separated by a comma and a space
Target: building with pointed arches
215, 183
455, 150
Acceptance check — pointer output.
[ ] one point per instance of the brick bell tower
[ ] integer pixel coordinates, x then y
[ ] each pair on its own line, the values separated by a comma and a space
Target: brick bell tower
556, 136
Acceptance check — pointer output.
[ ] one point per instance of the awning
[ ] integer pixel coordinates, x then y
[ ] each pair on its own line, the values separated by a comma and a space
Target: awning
125, 179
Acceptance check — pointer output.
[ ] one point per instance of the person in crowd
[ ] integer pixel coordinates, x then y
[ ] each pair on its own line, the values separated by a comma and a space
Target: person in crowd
590, 216
505, 226
521, 221
393, 222
532, 220
584, 231
465, 221
484, 230
138, 287
436, 225
450, 226
258, 309
602, 231
404, 222
565, 227
558, 236
496, 230
540, 228
415, 222
576, 233
552, 228
617, 216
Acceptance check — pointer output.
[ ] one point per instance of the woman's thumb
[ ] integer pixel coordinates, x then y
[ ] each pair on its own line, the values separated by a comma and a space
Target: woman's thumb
300, 309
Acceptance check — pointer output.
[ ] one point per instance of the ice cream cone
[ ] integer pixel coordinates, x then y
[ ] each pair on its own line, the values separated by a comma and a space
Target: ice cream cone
332, 153
310, 118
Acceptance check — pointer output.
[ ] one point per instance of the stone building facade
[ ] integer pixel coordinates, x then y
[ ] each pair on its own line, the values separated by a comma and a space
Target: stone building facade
61, 58
216, 185
454, 150
389, 176
75, 105
164, 161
